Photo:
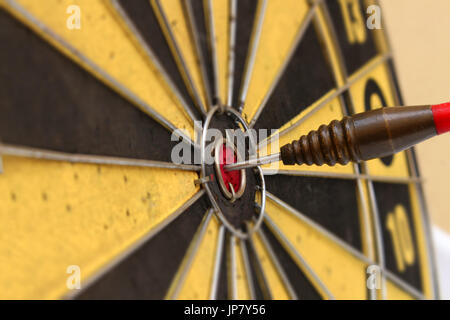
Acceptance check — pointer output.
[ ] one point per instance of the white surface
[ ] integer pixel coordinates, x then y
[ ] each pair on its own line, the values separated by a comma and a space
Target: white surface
442, 254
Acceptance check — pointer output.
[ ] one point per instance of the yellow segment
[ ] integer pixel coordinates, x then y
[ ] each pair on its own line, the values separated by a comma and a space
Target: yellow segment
197, 283
243, 291
104, 41
393, 292
221, 17
342, 273
57, 214
274, 281
324, 115
173, 10
399, 166
280, 27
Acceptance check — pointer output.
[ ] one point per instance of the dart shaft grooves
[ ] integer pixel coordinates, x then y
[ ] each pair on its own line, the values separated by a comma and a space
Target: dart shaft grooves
364, 136
330, 144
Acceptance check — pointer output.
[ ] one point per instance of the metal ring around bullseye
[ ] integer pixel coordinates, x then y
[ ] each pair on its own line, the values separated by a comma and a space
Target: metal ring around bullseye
238, 233
233, 194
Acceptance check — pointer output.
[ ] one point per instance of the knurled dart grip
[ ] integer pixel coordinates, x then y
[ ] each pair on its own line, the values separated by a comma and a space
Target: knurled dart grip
364, 136
330, 144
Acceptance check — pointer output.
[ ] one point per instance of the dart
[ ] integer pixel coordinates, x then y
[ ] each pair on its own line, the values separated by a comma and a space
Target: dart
360, 137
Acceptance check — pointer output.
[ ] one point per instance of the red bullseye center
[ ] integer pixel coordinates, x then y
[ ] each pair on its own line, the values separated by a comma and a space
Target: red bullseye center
228, 156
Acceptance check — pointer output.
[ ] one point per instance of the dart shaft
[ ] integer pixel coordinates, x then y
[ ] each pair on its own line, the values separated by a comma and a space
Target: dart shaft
364, 136
254, 162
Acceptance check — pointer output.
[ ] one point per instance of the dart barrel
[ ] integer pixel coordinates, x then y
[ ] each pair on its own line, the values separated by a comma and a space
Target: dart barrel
368, 135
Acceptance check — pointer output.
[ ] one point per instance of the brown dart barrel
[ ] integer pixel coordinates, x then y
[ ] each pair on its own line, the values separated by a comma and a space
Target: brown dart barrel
363, 136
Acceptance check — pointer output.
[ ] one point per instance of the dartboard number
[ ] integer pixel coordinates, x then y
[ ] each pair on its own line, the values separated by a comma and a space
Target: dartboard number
355, 40
398, 225
402, 241
373, 99
354, 21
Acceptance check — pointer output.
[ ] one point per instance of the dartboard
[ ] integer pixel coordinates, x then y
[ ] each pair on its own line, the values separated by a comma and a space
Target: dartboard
96, 98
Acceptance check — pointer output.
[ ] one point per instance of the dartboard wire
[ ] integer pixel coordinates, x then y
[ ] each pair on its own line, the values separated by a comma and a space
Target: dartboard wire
179, 57
26, 152
217, 263
232, 272
253, 47
201, 58
249, 276
298, 38
345, 176
115, 4
135, 246
330, 97
299, 258
92, 67
212, 42
278, 265
183, 270
231, 49
354, 252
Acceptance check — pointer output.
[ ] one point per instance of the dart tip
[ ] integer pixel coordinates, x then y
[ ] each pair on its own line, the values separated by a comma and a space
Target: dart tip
441, 116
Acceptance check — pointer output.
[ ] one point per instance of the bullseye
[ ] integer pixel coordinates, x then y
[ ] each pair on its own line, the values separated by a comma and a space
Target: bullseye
232, 183
230, 178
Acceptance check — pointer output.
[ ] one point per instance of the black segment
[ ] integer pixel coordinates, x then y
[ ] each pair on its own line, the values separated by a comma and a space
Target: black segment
299, 282
47, 101
307, 78
147, 273
332, 203
199, 29
245, 21
144, 18
388, 197
362, 49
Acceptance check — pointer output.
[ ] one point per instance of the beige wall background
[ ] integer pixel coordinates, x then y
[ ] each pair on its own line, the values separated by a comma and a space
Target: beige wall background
419, 32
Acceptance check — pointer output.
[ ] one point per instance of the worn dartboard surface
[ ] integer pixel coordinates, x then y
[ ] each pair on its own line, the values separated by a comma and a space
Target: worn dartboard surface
86, 114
